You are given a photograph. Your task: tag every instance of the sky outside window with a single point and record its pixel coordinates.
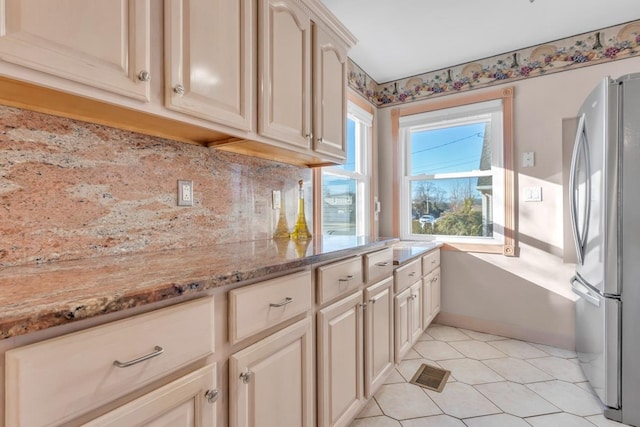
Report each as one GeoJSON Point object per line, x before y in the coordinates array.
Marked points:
{"type": "Point", "coordinates": [448, 150]}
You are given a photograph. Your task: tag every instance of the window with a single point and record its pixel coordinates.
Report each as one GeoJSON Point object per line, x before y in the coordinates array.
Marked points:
{"type": "Point", "coordinates": [456, 177]}
{"type": "Point", "coordinates": [345, 193]}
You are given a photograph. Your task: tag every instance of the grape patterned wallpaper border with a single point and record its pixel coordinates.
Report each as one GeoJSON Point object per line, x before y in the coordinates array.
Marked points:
{"type": "Point", "coordinates": [596, 47]}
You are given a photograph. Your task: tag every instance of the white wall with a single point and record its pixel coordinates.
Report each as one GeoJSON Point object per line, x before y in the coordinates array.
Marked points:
{"type": "Point", "coordinates": [527, 297]}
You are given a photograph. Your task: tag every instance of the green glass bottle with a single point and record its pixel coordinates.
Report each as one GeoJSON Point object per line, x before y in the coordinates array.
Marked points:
{"type": "Point", "coordinates": [300, 230]}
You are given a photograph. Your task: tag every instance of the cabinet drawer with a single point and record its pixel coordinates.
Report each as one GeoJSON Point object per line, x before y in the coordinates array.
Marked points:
{"type": "Point", "coordinates": [407, 275]}
{"type": "Point", "coordinates": [431, 261]}
{"type": "Point", "coordinates": [339, 278]}
{"type": "Point", "coordinates": [257, 307]}
{"type": "Point", "coordinates": [57, 380]}
{"type": "Point", "coordinates": [378, 265]}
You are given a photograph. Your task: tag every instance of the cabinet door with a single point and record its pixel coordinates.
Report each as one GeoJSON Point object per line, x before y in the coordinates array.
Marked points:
{"type": "Point", "coordinates": [426, 300]}
{"type": "Point", "coordinates": [330, 94]}
{"type": "Point", "coordinates": [378, 335]}
{"type": "Point", "coordinates": [435, 293]}
{"type": "Point", "coordinates": [340, 361]}
{"type": "Point", "coordinates": [415, 311]}
{"type": "Point", "coordinates": [285, 72]}
{"type": "Point", "coordinates": [208, 58]}
{"type": "Point", "coordinates": [271, 382]}
{"type": "Point", "coordinates": [189, 401]}
{"type": "Point", "coordinates": [402, 324]}
{"type": "Point", "coordinates": [103, 44]}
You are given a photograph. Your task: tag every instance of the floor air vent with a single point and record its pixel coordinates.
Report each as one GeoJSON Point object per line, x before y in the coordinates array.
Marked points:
{"type": "Point", "coordinates": [431, 377]}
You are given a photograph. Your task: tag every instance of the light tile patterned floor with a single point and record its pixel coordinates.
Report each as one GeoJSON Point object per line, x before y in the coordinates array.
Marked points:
{"type": "Point", "coordinates": [494, 382]}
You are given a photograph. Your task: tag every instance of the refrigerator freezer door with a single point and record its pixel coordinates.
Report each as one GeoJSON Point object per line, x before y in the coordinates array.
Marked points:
{"type": "Point", "coordinates": [598, 341]}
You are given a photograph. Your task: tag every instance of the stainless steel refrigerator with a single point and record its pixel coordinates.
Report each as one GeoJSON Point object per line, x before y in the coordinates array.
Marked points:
{"type": "Point", "coordinates": [605, 214]}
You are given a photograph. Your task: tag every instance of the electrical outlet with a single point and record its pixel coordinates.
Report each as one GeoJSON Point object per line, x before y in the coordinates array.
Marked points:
{"type": "Point", "coordinates": [528, 159]}
{"type": "Point", "coordinates": [185, 193]}
{"type": "Point", "coordinates": [275, 199]}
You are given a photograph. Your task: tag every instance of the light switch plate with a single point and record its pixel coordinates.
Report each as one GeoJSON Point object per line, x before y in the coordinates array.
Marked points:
{"type": "Point", "coordinates": [533, 194]}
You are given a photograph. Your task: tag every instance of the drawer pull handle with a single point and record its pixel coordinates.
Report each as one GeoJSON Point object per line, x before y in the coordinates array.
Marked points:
{"type": "Point", "coordinates": [157, 351]}
{"type": "Point", "coordinates": [413, 273]}
{"type": "Point", "coordinates": [287, 300]}
{"type": "Point", "coordinates": [346, 279]}
{"type": "Point", "coordinates": [382, 264]}
{"type": "Point", "coordinates": [212, 395]}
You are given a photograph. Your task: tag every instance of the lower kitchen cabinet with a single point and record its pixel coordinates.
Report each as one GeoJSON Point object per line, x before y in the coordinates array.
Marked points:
{"type": "Point", "coordinates": [378, 335]}
{"type": "Point", "coordinates": [430, 297]}
{"type": "Point", "coordinates": [189, 401]}
{"type": "Point", "coordinates": [271, 382]}
{"type": "Point", "coordinates": [340, 361]}
{"type": "Point", "coordinates": [67, 379]}
{"type": "Point", "coordinates": [435, 293]}
{"type": "Point", "coordinates": [408, 319]}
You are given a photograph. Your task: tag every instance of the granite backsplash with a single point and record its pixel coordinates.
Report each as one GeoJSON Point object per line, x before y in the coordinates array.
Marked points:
{"type": "Point", "coordinates": [71, 190]}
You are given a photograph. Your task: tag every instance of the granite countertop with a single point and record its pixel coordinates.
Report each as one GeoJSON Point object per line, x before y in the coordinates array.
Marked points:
{"type": "Point", "coordinates": [406, 251]}
{"type": "Point", "coordinates": [35, 297]}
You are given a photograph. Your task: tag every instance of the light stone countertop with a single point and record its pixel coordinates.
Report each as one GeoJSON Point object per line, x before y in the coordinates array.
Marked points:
{"type": "Point", "coordinates": [36, 297]}
{"type": "Point", "coordinates": [406, 251]}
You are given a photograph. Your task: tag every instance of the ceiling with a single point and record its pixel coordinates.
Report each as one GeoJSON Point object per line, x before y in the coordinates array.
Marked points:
{"type": "Point", "coordinates": [401, 38]}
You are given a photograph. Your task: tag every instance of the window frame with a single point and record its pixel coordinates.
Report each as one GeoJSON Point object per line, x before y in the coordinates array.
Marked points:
{"type": "Point", "coordinates": [508, 244]}
{"type": "Point", "coordinates": [364, 175]}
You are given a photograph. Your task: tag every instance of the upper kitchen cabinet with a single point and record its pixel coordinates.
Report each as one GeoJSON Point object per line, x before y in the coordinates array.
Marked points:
{"type": "Point", "coordinates": [209, 60]}
{"type": "Point", "coordinates": [285, 72]}
{"type": "Point", "coordinates": [330, 96]}
{"type": "Point", "coordinates": [102, 44]}
{"type": "Point", "coordinates": [303, 77]}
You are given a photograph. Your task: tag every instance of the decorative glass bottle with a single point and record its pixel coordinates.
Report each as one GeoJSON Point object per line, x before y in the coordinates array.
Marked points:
{"type": "Point", "coordinates": [300, 230]}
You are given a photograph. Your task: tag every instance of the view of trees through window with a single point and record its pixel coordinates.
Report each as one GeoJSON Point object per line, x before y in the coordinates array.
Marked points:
{"type": "Point", "coordinates": [450, 180]}
{"type": "Point", "coordinates": [345, 188]}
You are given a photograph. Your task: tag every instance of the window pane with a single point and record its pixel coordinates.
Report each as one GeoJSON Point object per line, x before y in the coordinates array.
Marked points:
{"type": "Point", "coordinates": [350, 163]}
{"type": "Point", "coordinates": [451, 149]}
{"type": "Point", "coordinates": [339, 201]}
{"type": "Point", "coordinates": [460, 207]}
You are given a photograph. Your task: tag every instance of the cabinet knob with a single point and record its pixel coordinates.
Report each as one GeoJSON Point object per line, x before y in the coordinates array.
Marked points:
{"type": "Point", "coordinates": [212, 395]}
{"type": "Point", "coordinates": [179, 89]}
{"type": "Point", "coordinates": [363, 305]}
{"type": "Point", "coordinates": [309, 136]}
{"type": "Point", "coordinates": [144, 76]}
{"type": "Point", "coordinates": [246, 376]}
{"type": "Point", "coordinates": [320, 140]}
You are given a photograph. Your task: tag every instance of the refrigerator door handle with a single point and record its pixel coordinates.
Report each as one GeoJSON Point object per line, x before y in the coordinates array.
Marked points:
{"type": "Point", "coordinates": [580, 290]}
{"type": "Point", "coordinates": [580, 146]}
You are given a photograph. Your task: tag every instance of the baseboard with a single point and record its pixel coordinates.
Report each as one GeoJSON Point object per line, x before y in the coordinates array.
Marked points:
{"type": "Point", "coordinates": [507, 330]}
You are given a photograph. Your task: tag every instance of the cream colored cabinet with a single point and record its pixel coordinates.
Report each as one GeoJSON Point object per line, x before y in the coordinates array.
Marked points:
{"type": "Point", "coordinates": [190, 401]}
{"type": "Point", "coordinates": [431, 296]}
{"type": "Point", "coordinates": [209, 60]}
{"type": "Point", "coordinates": [285, 72]}
{"type": "Point", "coordinates": [378, 335]}
{"type": "Point", "coordinates": [340, 361]}
{"type": "Point", "coordinates": [271, 382]}
{"type": "Point", "coordinates": [303, 79]}
{"type": "Point", "coordinates": [330, 95]}
{"type": "Point", "coordinates": [435, 293]}
{"type": "Point", "coordinates": [408, 319]}
{"type": "Point", "coordinates": [430, 287]}
{"type": "Point", "coordinates": [102, 44]}
{"type": "Point", "coordinates": [107, 362]}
